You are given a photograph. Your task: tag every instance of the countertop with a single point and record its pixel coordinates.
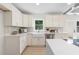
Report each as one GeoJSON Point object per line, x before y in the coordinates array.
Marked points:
{"type": "Point", "coordinates": [61, 47]}
{"type": "Point", "coordinates": [15, 34]}
{"type": "Point", "coordinates": [46, 33]}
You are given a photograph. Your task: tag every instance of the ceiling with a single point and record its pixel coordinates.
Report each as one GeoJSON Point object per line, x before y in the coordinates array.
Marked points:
{"type": "Point", "coordinates": [42, 8]}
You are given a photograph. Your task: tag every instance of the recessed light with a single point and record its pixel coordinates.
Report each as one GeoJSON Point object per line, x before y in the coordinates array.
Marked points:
{"type": "Point", "coordinates": [69, 3]}
{"type": "Point", "coordinates": [37, 4]}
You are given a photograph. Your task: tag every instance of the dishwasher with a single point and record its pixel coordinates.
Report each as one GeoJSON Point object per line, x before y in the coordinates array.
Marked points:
{"type": "Point", "coordinates": [49, 36]}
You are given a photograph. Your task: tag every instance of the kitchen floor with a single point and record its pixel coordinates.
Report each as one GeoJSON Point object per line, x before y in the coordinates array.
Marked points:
{"type": "Point", "coordinates": [35, 51]}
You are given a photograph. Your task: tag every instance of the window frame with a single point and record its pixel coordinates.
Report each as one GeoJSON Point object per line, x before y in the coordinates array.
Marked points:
{"type": "Point", "coordinates": [43, 24]}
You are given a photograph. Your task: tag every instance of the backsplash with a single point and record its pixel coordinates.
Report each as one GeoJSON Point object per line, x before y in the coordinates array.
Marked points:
{"type": "Point", "coordinates": [30, 29]}
{"type": "Point", "coordinates": [9, 30]}
{"type": "Point", "coordinates": [54, 29]}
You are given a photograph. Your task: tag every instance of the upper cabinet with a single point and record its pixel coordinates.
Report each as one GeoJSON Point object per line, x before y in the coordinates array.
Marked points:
{"type": "Point", "coordinates": [30, 21]}
{"type": "Point", "coordinates": [48, 21]}
{"type": "Point", "coordinates": [25, 20]}
{"type": "Point", "coordinates": [13, 17]}
{"type": "Point", "coordinates": [70, 24]}
{"type": "Point", "coordinates": [54, 21]}
{"type": "Point", "coordinates": [58, 20]}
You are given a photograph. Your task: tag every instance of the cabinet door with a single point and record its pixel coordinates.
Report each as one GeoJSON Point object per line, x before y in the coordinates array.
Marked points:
{"type": "Point", "coordinates": [23, 42]}
{"type": "Point", "coordinates": [48, 21]}
{"type": "Point", "coordinates": [58, 20]}
{"type": "Point", "coordinates": [29, 43]}
{"type": "Point", "coordinates": [70, 26]}
{"type": "Point", "coordinates": [14, 18]}
{"type": "Point", "coordinates": [35, 41]}
{"type": "Point", "coordinates": [25, 20]}
{"type": "Point", "coordinates": [29, 37]}
{"type": "Point", "coordinates": [38, 41]}
{"type": "Point", "coordinates": [20, 19]}
{"type": "Point", "coordinates": [8, 18]}
{"type": "Point", "coordinates": [21, 45]}
{"type": "Point", "coordinates": [30, 20]}
{"type": "Point", "coordinates": [12, 45]}
{"type": "Point", "coordinates": [41, 41]}
{"type": "Point", "coordinates": [61, 20]}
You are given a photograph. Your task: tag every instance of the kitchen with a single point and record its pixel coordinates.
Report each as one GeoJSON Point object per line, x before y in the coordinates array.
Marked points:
{"type": "Point", "coordinates": [35, 31]}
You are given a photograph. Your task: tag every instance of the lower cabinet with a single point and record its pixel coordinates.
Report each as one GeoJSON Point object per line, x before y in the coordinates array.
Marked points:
{"type": "Point", "coordinates": [15, 44]}
{"type": "Point", "coordinates": [23, 42]}
{"type": "Point", "coordinates": [11, 45]}
{"type": "Point", "coordinates": [35, 41]}
{"type": "Point", "coordinates": [38, 41]}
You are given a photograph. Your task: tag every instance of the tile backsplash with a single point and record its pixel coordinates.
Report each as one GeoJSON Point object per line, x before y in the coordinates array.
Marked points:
{"type": "Point", "coordinates": [9, 30]}
{"type": "Point", "coordinates": [56, 29]}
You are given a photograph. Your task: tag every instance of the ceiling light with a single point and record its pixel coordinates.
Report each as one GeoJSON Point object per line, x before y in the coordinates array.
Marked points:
{"type": "Point", "coordinates": [37, 4]}
{"type": "Point", "coordinates": [69, 3]}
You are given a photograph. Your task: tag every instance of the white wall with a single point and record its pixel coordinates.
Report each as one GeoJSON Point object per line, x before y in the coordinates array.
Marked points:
{"type": "Point", "coordinates": [1, 32]}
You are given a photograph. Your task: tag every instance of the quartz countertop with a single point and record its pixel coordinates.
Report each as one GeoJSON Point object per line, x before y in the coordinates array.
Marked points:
{"type": "Point", "coordinates": [61, 47]}
{"type": "Point", "coordinates": [15, 34]}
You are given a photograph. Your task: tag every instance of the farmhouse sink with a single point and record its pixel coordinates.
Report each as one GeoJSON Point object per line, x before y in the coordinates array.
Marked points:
{"type": "Point", "coordinates": [38, 34]}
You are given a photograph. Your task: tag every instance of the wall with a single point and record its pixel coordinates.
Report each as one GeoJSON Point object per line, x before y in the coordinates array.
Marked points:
{"type": "Point", "coordinates": [1, 32]}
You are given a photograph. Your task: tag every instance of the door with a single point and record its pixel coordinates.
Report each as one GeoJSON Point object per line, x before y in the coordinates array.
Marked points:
{"type": "Point", "coordinates": [1, 32]}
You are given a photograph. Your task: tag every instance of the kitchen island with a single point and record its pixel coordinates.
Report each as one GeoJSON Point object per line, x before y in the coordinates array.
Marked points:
{"type": "Point", "coordinates": [61, 47]}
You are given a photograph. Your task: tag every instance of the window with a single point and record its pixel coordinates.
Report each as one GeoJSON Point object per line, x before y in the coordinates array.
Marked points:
{"type": "Point", "coordinates": [77, 23]}
{"type": "Point", "coordinates": [38, 24]}
{"type": "Point", "coordinates": [77, 26]}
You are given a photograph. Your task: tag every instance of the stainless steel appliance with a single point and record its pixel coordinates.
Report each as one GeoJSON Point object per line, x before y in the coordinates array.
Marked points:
{"type": "Point", "coordinates": [49, 36]}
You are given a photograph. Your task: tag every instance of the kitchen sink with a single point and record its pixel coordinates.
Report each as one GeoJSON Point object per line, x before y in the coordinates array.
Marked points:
{"type": "Point", "coordinates": [38, 34]}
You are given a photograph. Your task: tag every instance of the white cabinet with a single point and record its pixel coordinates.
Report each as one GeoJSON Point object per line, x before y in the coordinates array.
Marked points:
{"type": "Point", "coordinates": [30, 20]}
{"type": "Point", "coordinates": [48, 21]}
{"type": "Point", "coordinates": [54, 21]}
{"type": "Point", "coordinates": [8, 19]}
{"type": "Point", "coordinates": [11, 45]}
{"type": "Point", "coordinates": [36, 41]}
{"type": "Point", "coordinates": [16, 17]}
{"type": "Point", "coordinates": [25, 20]}
{"type": "Point", "coordinates": [29, 37]}
{"type": "Point", "coordinates": [15, 44]}
{"type": "Point", "coordinates": [58, 20]}
{"type": "Point", "coordinates": [23, 42]}
{"type": "Point", "coordinates": [20, 23]}
{"type": "Point", "coordinates": [13, 18]}
{"type": "Point", "coordinates": [70, 24]}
